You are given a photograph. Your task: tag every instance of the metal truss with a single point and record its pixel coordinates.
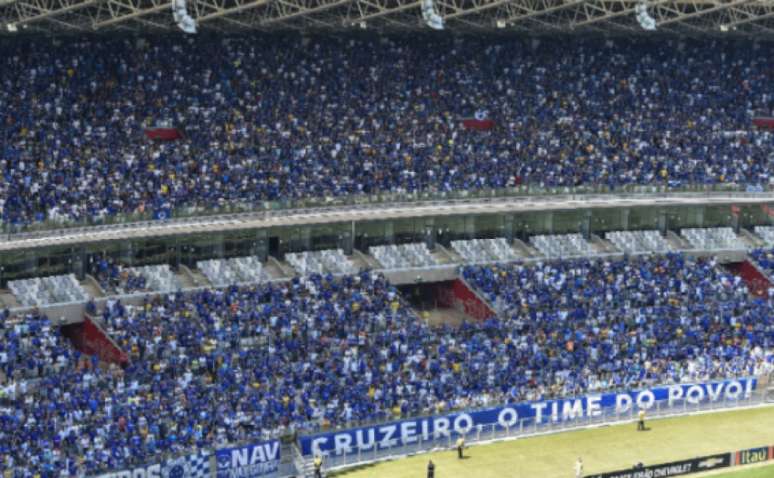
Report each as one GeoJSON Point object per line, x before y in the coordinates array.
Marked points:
{"type": "Point", "coordinates": [685, 17]}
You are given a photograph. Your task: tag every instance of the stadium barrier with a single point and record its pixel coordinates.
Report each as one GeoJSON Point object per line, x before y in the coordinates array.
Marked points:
{"type": "Point", "coordinates": [257, 460]}
{"type": "Point", "coordinates": [353, 447]}
{"type": "Point", "coordinates": [675, 468]}
{"type": "Point", "coordinates": [345, 448]}
{"type": "Point", "coordinates": [751, 456]}
{"type": "Point", "coordinates": [694, 465]}
{"type": "Point", "coordinates": [292, 205]}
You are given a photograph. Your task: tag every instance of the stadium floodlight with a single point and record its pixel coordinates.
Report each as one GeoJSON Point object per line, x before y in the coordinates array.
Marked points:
{"type": "Point", "coordinates": [180, 13]}
{"type": "Point", "coordinates": [646, 21]}
{"type": "Point", "coordinates": [431, 16]}
{"type": "Point", "coordinates": [11, 27]}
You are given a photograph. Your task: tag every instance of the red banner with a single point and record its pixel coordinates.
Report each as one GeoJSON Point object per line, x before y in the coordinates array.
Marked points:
{"type": "Point", "coordinates": [163, 134]}
{"type": "Point", "coordinates": [763, 122]}
{"type": "Point", "coordinates": [457, 295]}
{"type": "Point", "coordinates": [478, 124]}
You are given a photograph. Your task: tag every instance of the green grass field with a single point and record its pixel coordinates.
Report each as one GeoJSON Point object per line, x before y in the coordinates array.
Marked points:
{"type": "Point", "coordinates": [602, 449]}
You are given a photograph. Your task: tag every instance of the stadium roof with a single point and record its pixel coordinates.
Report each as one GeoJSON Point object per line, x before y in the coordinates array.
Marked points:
{"type": "Point", "coordinates": [691, 17]}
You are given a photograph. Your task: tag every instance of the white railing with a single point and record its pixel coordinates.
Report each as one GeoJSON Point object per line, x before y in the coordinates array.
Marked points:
{"type": "Point", "coordinates": [366, 212]}
{"type": "Point", "coordinates": [483, 434]}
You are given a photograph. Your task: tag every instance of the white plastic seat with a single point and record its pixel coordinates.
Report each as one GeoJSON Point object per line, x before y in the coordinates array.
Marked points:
{"type": "Point", "coordinates": [718, 238]}
{"type": "Point", "coordinates": [562, 245]}
{"type": "Point", "coordinates": [766, 233]}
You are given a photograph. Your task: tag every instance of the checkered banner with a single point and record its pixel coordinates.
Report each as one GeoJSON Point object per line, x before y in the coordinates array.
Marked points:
{"type": "Point", "coordinates": [196, 465]}
{"type": "Point", "coordinates": [190, 466]}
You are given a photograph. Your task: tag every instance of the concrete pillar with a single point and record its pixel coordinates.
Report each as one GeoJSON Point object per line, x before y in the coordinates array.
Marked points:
{"type": "Point", "coordinates": [470, 227]}
{"type": "Point", "coordinates": [699, 216]}
{"type": "Point", "coordinates": [306, 238]}
{"type": "Point", "coordinates": [127, 253]}
{"type": "Point", "coordinates": [736, 222]}
{"type": "Point", "coordinates": [585, 225]}
{"type": "Point", "coordinates": [345, 238]}
{"type": "Point", "coordinates": [430, 233]}
{"type": "Point", "coordinates": [219, 246]}
{"type": "Point", "coordinates": [389, 232]}
{"type": "Point", "coordinates": [177, 253]}
{"type": "Point", "coordinates": [30, 263]}
{"type": "Point", "coordinates": [663, 222]}
{"type": "Point", "coordinates": [548, 224]}
{"type": "Point", "coordinates": [261, 248]}
{"type": "Point", "coordinates": [508, 221]}
{"type": "Point", "coordinates": [78, 266]}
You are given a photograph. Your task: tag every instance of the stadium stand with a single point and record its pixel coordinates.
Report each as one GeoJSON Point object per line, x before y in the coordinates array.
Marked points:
{"type": "Point", "coordinates": [403, 256]}
{"type": "Point", "coordinates": [204, 367]}
{"type": "Point", "coordinates": [638, 241]}
{"type": "Point", "coordinates": [238, 270]}
{"type": "Point", "coordinates": [565, 245]}
{"type": "Point", "coordinates": [719, 238]}
{"type": "Point", "coordinates": [31, 349]}
{"type": "Point", "coordinates": [352, 116]}
{"type": "Point", "coordinates": [321, 262]}
{"type": "Point", "coordinates": [485, 250]}
{"type": "Point", "coordinates": [691, 320]}
{"type": "Point", "coordinates": [48, 290]}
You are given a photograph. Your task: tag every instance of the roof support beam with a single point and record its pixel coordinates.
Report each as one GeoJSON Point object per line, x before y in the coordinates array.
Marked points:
{"type": "Point", "coordinates": [737, 17]}
{"type": "Point", "coordinates": [384, 10]}
{"type": "Point", "coordinates": [628, 9]}
{"type": "Point", "coordinates": [240, 7]}
{"type": "Point", "coordinates": [135, 12]}
{"type": "Point", "coordinates": [301, 10]}
{"type": "Point", "coordinates": [48, 9]}
{"type": "Point", "coordinates": [698, 13]}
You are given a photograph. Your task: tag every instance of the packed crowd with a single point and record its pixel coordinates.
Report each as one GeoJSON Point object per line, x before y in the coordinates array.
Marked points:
{"type": "Point", "coordinates": [268, 118]}
{"type": "Point", "coordinates": [597, 324]}
{"type": "Point", "coordinates": [223, 366]}
{"type": "Point", "coordinates": [30, 348]}
{"type": "Point", "coordinates": [39, 401]}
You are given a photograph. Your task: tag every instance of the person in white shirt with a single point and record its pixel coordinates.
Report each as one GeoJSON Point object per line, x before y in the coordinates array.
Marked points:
{"type": "Point", "coordinates": [579, 468]}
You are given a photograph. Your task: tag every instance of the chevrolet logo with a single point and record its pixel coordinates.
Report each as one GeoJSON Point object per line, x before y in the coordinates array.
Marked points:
{"type": "Point", "coordinates": [710, 462]}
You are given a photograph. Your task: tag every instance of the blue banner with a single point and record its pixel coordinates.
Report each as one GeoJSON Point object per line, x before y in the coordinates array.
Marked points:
{"type": "Point", "coordinates": [406, 432]}
{"type": "Point", "coordinates": [248, 461]}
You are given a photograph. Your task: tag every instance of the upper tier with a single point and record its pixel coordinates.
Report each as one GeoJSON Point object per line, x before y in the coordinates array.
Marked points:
{"type": "Point", "coordinates": [279, 118]}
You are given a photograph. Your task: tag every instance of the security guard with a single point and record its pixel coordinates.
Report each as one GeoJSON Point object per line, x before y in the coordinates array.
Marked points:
{"type": "Point", "coordinates": [641, 422]}
{"type": "Point", "coordinates": [460, 446]}
{"type": "Point", "coordinates": [318, 466]}
{"type": "Point", "coordinates": [430, 470]}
